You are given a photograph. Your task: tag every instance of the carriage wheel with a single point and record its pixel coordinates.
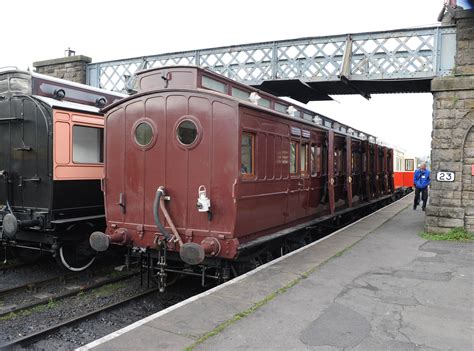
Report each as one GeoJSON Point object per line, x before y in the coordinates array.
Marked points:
{"type": "Point", "coordinates": [74, 258]}
{"type": "Point", "coordinates": [77, 255]}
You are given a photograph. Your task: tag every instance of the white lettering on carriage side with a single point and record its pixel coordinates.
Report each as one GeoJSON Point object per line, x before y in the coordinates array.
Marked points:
{"type": "Point", "coordinates": [445, 176]}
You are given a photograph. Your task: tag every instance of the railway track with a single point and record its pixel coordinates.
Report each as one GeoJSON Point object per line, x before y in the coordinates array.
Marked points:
{"type": "Point", "coordinates": [56, 297]}
{"type": "Point", "coordinates": [7, 266]}
{"type": "Point", "coordinates": [34, 285]}
{"type": "Point", "coordinates": [28, 339]}
{"type": "Point", "coordinates": [37, 284]}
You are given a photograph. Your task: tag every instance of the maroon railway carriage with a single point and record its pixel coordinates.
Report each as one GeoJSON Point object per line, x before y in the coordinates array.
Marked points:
{"type": "Point", "coordinates": [210, 166]}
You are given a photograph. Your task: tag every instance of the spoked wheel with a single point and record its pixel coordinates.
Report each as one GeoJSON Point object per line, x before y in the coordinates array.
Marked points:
{"type": "Point", "coordinates": [77, 255]}
{"type": "Point", "coordinates": [74, 258]}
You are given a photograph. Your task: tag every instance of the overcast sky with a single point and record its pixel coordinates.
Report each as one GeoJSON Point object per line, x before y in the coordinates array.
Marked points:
{"type": "Point", "coordinates": [108, 30]}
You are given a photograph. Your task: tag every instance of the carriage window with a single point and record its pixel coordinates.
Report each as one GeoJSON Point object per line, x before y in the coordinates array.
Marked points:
{"type": "Point", "coordinates": [87, 144]}
{"type": "Point", "coordinates": [247, 154]}
{"type": "Point", "coordinates": [143, 134]}
{"type": "Point", "coordinates": [318, 159]}
{"type": "Point", "coordinates": [399, 164]}
{"type": "Point", "coordinates": [307, 116]}
{"type": "Point", "coordinates": [240, 94]}
{"type": "Point", "coordinates": [380, 164]}
{"type": "Point", "coordinates": [324, 162]}
{"type": "Point", "coordinates": [187, 132]}
{"type": "Point", "coordinates": [356, 162]}
{"type": "Point", "coordinates": [409, 165]}
{"type": "Point", "coordinates": [342, 163]}
{"type": "Point", "coordinates": [3, 85]}
{"type": "Point", "coordinates": [280, 107]}
{"type": "Point", "coordinates": [373, 161]}
{"type": "Point", "coordinates": [213, 84]}
{"type": "Point", "coordinates": [264, 102]}
{"type": "Point", "coordinates": [294, 157]}
{"type": "Point", "coordinates": [338, 162]}
{"type": "Point", "coordinates": [304, 158]}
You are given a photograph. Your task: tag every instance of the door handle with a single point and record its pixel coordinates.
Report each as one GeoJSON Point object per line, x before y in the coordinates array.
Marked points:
{"type": "Point", "coordinates": [121, 203]}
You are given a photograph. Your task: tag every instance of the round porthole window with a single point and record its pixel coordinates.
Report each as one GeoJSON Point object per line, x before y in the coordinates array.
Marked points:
{"type": "Point", "coordinates": [143, 133]}
{"type": "Point", "coordinates": [187, 132]}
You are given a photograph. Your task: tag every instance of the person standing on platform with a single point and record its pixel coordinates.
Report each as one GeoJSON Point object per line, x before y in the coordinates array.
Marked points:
{"type": "Point", "coordinates": [421, 181]}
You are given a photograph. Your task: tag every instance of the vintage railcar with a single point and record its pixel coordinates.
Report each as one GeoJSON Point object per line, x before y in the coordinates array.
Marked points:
{"type": "Point", "coordinates": [404, 169]}
{"type": "Point", "coordinates": [206, 170]}
{"type": "Point", "coordinates": [51, 164]}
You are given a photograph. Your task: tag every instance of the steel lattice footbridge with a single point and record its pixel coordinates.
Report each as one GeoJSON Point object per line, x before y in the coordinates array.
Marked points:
{"type": "Point", "coordinates": [313, 68]}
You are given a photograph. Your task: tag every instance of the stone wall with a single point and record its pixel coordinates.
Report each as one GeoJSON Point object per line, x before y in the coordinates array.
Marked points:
{"type": "Point", "coordinates": [72, 68]}
{"type": "Point", "coordinates": [452, 204]}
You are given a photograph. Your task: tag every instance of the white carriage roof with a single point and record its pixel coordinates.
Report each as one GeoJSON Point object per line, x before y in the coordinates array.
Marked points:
{"type": "Point", "coordinates": [67, 104]}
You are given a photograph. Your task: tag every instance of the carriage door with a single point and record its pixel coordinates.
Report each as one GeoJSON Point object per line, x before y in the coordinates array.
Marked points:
{"type": "Point", "coordinates": [305, 170]}
{"type": "Point", "coordinates": [296, 180]}
{"type": "Point", "coordinates": [115, 146]}
{"type": "Point", "coordinates": [331, 180]}
{"type": "Point", "coordinates": [376, 170]}
{"type": "Point", "coordinates": [349, 170]}
{"type": "Point", "coordinates": [385, 171]}
{"type": "Point", "coordinates": [366, 167]}
{"type": "Point", "coordinates": [26, 158]}
{"type": "Point", "coordinates": [391, 175]}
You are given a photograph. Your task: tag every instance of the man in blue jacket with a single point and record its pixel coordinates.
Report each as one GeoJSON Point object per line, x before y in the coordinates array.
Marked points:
{"type": "Point", "coordinates": [421, 181]}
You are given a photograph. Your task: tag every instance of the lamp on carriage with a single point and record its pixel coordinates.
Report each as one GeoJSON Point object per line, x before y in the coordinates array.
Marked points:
{"type": "Point", "coordinates": [254, 97]}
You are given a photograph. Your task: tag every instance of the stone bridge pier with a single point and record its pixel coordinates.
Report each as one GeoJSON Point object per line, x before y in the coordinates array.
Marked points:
{"type": "Point", "coordinates": [451, 204]}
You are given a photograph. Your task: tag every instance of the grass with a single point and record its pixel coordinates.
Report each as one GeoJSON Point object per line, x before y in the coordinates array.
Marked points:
{"type": "Point", "coordinates": [455, 234]}
{"type": "Point", "coordinates": [259, 304]}
{"type": "Point", "coordinates": [340, 253]}
{"type": "Point", "coordinates": [37, 309]}
{"type": "Point", "coordinates": [246, 313]}
{"type": "Point", "coordinates": [108, 289]}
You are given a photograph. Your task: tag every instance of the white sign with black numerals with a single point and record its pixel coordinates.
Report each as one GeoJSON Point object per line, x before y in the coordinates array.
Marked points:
{"type": "Point", "coordinates": [445, 176]}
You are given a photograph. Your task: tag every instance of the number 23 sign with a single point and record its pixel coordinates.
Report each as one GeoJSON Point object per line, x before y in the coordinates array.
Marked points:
{"type": "Point", "coordinates": [445, 176]}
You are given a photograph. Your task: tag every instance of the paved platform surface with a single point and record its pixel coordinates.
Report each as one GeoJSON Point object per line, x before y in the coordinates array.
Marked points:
{"type": "Point", "coordinates": [375, 285]}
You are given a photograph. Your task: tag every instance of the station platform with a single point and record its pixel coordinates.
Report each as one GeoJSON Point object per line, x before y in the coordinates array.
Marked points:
{"type": "Point", "coordinates": [374, 285]}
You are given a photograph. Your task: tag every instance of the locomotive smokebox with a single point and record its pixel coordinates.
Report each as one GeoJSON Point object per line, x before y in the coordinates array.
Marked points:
{"type": "Point", "coordinates": [10, 225]}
